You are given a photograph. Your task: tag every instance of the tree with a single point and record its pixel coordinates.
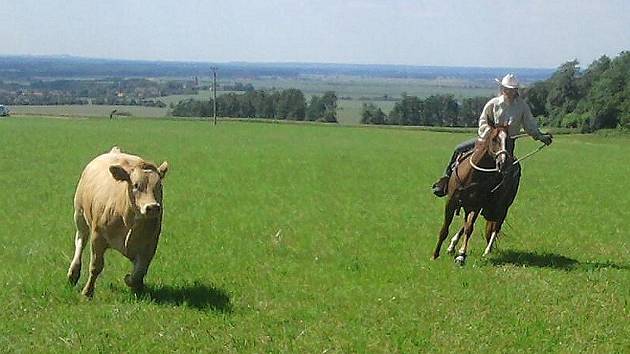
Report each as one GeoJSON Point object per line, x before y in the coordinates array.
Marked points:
{"type": "Point", "coordinates": [291, 105]}
{"type": "Point", "coordinates": [407, 111]}
{"type": "Point", "coordinates": [536, 97]}
{"type": "Point", "coordinates": [608, 99]}
{"type": "Point", "coordinates": [470, 110]}
{"type": "Point", "coordinates": [329, 101]}
{"type": "Point", "coordinates": [563, 91]}
{"type": "Point", "coordinates": [315, 109]}
{"type": "Point", "coordinates": [370, 114]}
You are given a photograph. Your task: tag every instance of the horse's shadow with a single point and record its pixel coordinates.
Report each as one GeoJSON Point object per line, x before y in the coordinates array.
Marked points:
{"type": "Point", "coordinates": [548, 260]}
{"type": "Point", "coordinates": [197, 296]}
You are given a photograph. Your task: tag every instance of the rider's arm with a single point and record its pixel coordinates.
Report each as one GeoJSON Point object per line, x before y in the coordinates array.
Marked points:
{"type": "Point", "coordinates": [486, 115]}
{"type": "Point", "coordinates": [530, 124]}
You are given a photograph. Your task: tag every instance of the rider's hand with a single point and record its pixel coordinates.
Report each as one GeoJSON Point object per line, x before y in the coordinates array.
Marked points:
{"type": "Point", "coordinates": [546, 138]}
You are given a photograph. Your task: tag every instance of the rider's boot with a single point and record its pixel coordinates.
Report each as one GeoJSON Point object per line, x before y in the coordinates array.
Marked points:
{"type": "Point", "coordinates": [440, 188]}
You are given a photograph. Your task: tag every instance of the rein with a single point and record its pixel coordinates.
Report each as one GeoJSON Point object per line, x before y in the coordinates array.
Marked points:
{"type": "Point", "coordinates": [526, 156]}
{"type": "Point", "coordinates": [481, 169]}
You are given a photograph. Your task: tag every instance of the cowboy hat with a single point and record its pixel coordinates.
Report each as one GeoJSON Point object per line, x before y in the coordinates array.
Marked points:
{"type": "Point", "coordinates": [508, 81]}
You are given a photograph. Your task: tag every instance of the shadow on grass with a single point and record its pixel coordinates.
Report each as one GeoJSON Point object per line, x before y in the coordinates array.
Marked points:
{"type": "Point", "coordinates": [197, 296]}
{"type": "Point", "coordinates": [549, 260]}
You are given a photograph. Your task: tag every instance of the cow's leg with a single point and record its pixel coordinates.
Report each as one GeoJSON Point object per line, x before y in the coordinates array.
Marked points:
{"type": "Point", "coordinates": [468, 230]}
{"type": "Point", "coordinates": [449, 211]}
{"type": "Point", "coordinates": [97, 262]}
{"type": "Point", "coordinates": [141, 263]}
{"type": "Point", "coordinates": [454, 241]}
{"type": "Point", "coordinates": [80, 240]}
{"type": "Point", "coordinates": [135, 280]}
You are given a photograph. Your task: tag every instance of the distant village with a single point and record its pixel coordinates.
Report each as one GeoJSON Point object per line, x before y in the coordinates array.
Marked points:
{"type": "Point", "coordinates": [107, 91]}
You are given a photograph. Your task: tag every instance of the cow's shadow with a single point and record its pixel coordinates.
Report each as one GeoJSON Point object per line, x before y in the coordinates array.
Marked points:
{"type": "Point", "coordinates": [548, 260]}
{"type": "Point", "coordinates": [197, 296]}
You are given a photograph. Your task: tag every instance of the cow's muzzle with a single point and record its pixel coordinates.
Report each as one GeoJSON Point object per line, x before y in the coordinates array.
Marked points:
{"type": "Point", "coordinates": [151, 209]}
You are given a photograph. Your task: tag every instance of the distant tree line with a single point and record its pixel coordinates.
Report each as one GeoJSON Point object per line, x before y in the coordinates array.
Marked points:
{"type": "Point", "coordinates": [238, 86]}
{"type": "Point", "coordinates": [436, 110]}
{"type": "Point", "coordinates": [289, 104]}
{"type": "Point", "coordinates": [596, 98]}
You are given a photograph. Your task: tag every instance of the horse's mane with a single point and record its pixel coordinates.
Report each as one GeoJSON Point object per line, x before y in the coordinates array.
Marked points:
{"type": "Point", "coordinates": [483, 145]}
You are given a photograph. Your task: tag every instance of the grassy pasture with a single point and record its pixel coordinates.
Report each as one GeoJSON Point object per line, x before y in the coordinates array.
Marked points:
{"type": "Point", "coordinates": [313, 239]}
{"type": "Point", "coordinates": [88, 110]}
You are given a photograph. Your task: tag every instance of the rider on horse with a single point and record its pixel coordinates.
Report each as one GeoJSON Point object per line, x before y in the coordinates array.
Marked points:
{"type": "Point", "coordinates": [506, 109]}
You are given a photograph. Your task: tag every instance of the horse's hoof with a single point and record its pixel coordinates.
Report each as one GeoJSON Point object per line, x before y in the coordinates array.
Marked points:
{"type": "Point", "coordinates": [88, 292]}
{"type": "Point", "coordinates": [135, 285]}
{"type": "Point", "coordinates": [460, 260]}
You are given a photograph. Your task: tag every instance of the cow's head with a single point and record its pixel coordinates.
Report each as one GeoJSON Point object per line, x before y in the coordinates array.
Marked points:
{"type": "Point", "coordinates": [144, 184]}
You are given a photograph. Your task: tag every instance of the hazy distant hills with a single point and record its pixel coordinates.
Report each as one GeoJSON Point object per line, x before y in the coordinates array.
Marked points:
{"type": "Point", "coordinates": [34, 67]}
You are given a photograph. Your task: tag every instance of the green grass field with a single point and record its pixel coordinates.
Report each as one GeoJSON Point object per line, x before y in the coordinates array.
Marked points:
{"type": "Point", "coordinates": [348, 111]}
{"type": "Point", "coordinates": [88, 110]}
{"type": "Point", "coordinates": [313, 238]}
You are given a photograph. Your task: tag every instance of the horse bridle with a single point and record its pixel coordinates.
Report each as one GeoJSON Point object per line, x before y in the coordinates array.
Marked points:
{"type": "Point", "coordinates": [495, 155]}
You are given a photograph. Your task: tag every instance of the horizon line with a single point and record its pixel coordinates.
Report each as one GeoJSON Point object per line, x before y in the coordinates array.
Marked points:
{"type": "Point", "coordinates": [180, 61]}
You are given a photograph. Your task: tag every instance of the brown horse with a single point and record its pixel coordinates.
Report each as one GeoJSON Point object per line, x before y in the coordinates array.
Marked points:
{"type": "Point", "coordinates": [484, 182]}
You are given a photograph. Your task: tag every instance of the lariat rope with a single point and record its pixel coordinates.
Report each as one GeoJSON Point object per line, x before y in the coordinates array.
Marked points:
{"type": "Point", "coordinates": [530, 154]}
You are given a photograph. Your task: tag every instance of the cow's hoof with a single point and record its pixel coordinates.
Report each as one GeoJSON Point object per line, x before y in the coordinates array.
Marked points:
{"type": "Point", "coordinates": [450, 251]}
{"type": "Point", "coordinates": [73, 276]}
{"type": "Point", "coordinates": [460, 260]}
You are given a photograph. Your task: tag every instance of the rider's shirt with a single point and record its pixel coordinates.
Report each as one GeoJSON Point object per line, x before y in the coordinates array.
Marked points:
{"type": "Point", "coordinates": [516, 115]}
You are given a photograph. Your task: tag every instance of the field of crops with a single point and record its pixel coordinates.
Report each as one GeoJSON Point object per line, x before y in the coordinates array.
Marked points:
{"type": "Point", "coordinates": [314, 238]}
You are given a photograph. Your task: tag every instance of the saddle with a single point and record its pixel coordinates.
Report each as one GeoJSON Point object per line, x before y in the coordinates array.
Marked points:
{"type": "Point", "coordinates": [461, 158]}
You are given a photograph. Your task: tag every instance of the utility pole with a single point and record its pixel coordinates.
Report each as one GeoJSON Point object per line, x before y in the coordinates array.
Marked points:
{"type": "Point", "coordinates": [214, 92]}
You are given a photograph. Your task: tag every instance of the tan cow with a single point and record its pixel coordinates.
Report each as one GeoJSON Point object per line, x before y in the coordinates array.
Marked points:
{"type": "Point", "coordinates": [119, 203]}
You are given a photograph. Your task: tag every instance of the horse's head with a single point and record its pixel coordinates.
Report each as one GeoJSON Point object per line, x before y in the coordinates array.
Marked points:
{"type": "Point", "coordinates": [497, 141]}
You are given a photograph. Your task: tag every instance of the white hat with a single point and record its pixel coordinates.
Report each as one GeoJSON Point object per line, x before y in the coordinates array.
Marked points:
{"type": "Point", "coordinates": [508, 81]}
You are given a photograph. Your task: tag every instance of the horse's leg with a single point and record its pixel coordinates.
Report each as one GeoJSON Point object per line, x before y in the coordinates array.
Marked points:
{"type": "Point", "coordinates": [449, 211]}
{"type": "Point", "coordinates": [471, 217]}
{"type": "Point", "coordinates": [454, 241]}
{"type": "Point", "coordinates": [492, 234]}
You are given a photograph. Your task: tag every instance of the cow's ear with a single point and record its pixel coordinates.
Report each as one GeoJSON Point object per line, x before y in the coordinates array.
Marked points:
{"type": "Point", "coordinates": [163, 169]}
{"type": "Point", "coordinates": [119, 173]}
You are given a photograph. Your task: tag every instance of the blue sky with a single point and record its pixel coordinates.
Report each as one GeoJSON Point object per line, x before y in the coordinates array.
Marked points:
{"type": "Point", "coordinates": [537, 33]}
